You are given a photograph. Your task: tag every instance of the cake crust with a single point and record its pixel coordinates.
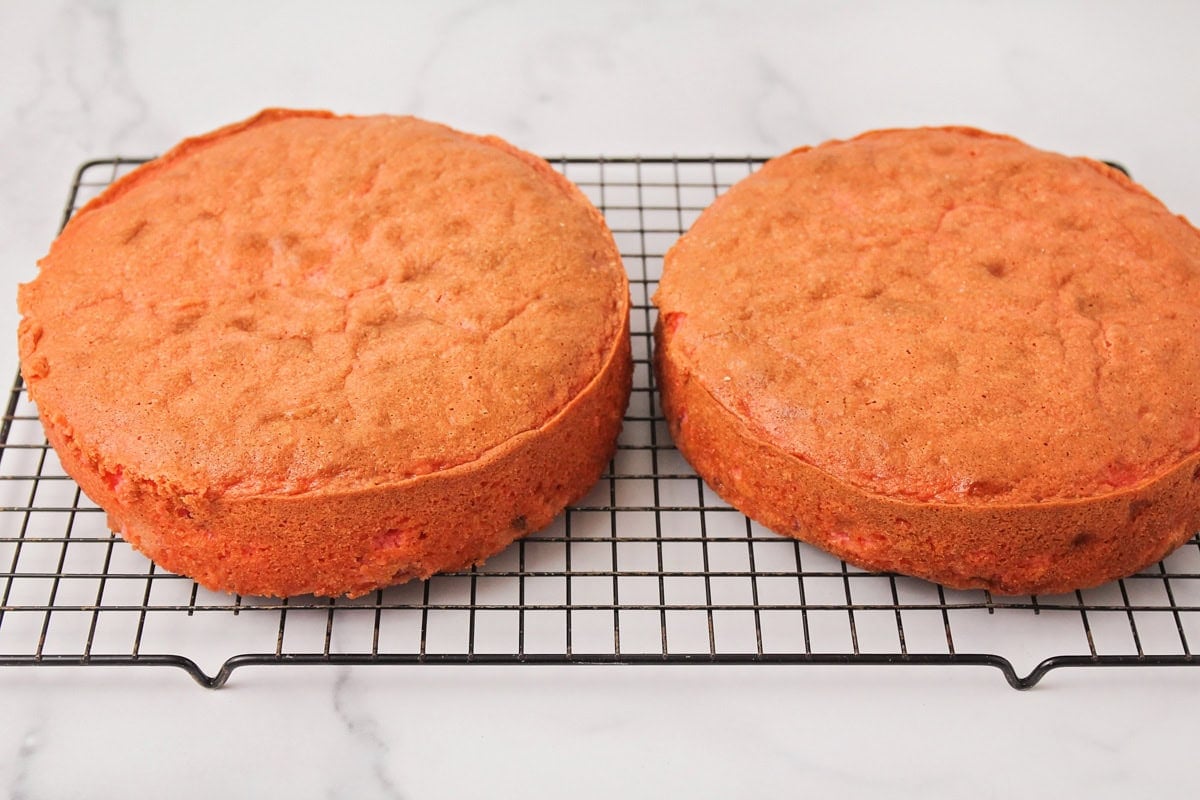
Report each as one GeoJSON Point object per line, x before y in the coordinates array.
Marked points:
{"type": "Point", "coordinates": [308, 353]}
{"type": "Point", "coordinates": [945, 353]}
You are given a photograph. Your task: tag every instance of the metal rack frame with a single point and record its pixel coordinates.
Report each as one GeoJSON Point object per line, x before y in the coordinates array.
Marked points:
{"type": "Point", "coordinates": [651, 568]}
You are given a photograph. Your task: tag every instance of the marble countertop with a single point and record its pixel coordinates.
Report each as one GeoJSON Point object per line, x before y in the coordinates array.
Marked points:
{"type": "Point", "coordinates": [94, 79]}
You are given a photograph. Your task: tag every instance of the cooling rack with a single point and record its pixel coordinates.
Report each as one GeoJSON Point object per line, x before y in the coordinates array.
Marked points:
{"type": "Point", "coordinates": [650, 567]}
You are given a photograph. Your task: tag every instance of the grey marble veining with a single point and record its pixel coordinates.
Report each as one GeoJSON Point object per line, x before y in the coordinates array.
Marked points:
{"type": "Point", "coordinates": [374, 757]}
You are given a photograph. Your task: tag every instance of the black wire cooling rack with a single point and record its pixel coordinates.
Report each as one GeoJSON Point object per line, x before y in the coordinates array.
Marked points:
{"type": "Point", "coordinates": [650, 567]}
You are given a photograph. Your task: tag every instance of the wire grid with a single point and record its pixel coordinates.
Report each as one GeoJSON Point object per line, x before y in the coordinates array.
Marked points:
{"type": "Point", "coordinates": [650, 567]}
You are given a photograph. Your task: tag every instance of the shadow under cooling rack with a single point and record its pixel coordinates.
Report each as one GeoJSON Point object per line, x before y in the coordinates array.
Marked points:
{"type": "Point", "coordinates": [650, 568]}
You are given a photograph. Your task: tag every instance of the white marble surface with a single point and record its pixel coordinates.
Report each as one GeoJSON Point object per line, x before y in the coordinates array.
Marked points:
{"type": "Point", "coordinates": [91, 79]}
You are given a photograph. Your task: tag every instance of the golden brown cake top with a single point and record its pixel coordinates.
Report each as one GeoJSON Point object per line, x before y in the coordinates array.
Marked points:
{"type": "Point", "coordinates": [947, 314]}
{"type": "Point", "coordinates": [303, 301]}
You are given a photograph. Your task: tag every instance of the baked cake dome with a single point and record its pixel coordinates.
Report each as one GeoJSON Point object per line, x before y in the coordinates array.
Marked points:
{"type": "Point", "coordinates": [318, 354]}
{"type": "Point", "coordinates": [944, 353]}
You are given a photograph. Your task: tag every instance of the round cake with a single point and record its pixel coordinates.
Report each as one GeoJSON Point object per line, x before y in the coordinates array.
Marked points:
{"type": "Point", "coordinates": [319, 354]}
{"type": "Point", "coordinates": [944, 353]}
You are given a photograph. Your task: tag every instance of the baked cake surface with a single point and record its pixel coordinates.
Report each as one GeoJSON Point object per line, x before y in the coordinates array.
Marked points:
{"type": "Point", "coordinates": [308, 353]}
{"type": "Point", "coordinates": [945, 353]}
